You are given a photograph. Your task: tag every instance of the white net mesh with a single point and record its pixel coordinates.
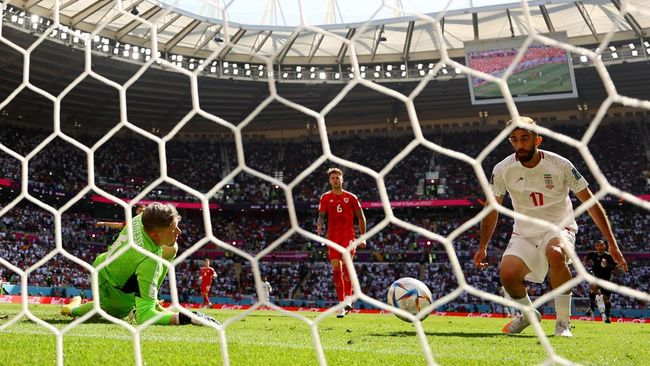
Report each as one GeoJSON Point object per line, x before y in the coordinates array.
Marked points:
{"type": "Point", "coordinates": [121, 9]}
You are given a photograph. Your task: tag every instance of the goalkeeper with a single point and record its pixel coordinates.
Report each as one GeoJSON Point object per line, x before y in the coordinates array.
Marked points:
{"type": "Point", "coordinates": [132, 279]}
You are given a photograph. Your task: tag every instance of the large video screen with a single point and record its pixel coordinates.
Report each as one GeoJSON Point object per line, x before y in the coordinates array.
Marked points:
{"type": "Point", "coordinates": [544, 72]}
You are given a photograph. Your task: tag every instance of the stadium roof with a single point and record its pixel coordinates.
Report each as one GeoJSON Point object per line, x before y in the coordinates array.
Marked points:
{"type": "Point", "coordinates": [160, 98]}
{"type": "Point", "coordinates": [381, 33]}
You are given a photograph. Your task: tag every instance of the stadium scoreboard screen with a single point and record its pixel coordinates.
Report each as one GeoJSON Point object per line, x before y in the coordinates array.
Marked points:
{"type": "Point", "coordinates": [544, 72]}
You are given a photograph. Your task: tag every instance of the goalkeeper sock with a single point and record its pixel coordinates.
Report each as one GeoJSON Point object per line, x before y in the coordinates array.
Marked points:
{"type": "Point", "coordinates": [592, 301]}
{"type": "Point", "coordinates": [82, 309]}
{"type": "Point", "coordinates": [338, 283]}
{"type": "Point", "coordinates": [347, 284]}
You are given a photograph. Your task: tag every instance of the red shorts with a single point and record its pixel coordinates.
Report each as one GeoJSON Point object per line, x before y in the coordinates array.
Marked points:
{"type": "Point", "coordinates": [334, 254]}
{"type": "Point", "coordinates": [205, 289]}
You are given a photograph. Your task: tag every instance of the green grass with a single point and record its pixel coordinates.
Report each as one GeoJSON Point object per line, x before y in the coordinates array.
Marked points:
{"type": "Point", "coordinates": [270, 338]}
{"type": "Point", "coordinates": [555, 78]}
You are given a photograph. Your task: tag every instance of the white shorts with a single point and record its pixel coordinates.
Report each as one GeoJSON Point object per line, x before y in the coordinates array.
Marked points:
{"type": "Point", "coordinates": [532, 251]}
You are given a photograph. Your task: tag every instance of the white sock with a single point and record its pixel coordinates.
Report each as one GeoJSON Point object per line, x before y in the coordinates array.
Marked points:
{"type": "Point", "coordinates": [524, 301]}
{"type": "Point", "coordinates": [563, 307]}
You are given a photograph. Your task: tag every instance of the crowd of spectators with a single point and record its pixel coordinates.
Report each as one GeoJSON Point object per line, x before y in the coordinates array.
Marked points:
{"type": "Point", "coordinates": [127, 163]}
{"type": "Point", "coordinates": [26, 236]}
{"type": "Point", "coordinates": [495, 62]}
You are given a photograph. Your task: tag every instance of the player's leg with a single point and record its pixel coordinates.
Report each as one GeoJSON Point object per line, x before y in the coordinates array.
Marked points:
{"type": "Point", "coordinates": [559, 274]}
{"type": "Point", "coordinates": [112, 300]}
{"type": "Point", "coordinates": [116, 302]}
{"type": "Point", "coordinates": [558, 271]}
{"type": "Point", "coordinates": [75, 308]}
{"type": "Point", "coordinates": [347, 285]}
{"type": "Point", "coordinates": [337, 271]}
{"type": "Point", "coordinates": [512, 272]}
{"type": "Point", "coordinates": [608, 304]}
{"type": "Point", "coordinates": [205, 292]}
{"type": "Point", "coordinates": [593, 289]}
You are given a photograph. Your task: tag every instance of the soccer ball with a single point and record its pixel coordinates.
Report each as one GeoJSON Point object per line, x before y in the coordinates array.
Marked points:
{"type": "Point", "coordinates": [409, 295]}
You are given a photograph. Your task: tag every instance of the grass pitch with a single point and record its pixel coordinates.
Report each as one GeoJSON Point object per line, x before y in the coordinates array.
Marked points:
{"type": "Point", "coordinates": [271, 338]}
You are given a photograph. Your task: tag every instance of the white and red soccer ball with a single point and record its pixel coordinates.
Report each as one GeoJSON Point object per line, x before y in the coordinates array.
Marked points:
{"type": "Point", "coordinates": [409, 295]}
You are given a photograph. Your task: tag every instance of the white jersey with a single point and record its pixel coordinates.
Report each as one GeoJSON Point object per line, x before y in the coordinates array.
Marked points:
{"type": "Point", "coordinates": [541, 192]}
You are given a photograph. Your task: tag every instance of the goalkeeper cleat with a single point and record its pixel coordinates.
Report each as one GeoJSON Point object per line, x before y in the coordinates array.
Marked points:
{"type": "Point", "coordinates": [341, 313]}
{"type": "Point", "coordinates": [563, 329]}
{"type": "Point", "coordinates": [67, 309]}
{"type": "Point", "coordinates": [519, 323]}
{"type": "Point", "coordinates": [205, 317]}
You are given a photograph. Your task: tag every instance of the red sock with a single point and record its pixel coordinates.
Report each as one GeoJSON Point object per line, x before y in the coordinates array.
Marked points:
{"type": "Point", "coordinates": [338, 283]}
{"type": "Point", "coordinates": [347, 284]}
{"type": "Point", "coordinates": [206, 299]}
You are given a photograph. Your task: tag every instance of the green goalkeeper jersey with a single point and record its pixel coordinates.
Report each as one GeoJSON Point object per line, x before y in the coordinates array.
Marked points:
{"type": "Point", "coordinates": [134, 272]}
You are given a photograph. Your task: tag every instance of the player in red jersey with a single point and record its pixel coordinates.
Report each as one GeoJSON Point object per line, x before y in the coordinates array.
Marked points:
{"type": "Point", "coordinates": [340, 207]}
{"type": "Point", "coordinates": [207, 274]}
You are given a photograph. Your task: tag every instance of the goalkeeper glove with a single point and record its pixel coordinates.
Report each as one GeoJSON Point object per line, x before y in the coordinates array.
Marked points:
{"type": "Point", "coordinates": [184, 319]}
{"type": "Point", "coordinates": [205, 317]}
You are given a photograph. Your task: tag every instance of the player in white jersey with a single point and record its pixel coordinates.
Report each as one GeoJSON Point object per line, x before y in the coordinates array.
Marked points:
{"type": "Point", "coordinates": [266, 289]}
{"type": "Point", "coordinates": [538, 183]}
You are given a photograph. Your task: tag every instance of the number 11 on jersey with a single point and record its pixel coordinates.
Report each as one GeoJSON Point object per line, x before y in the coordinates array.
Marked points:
{"type": "Point", "coordinates": [538, 198]}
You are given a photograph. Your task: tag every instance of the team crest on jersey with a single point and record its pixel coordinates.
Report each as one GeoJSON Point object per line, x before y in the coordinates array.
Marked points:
{"type": "Point", "coordinates": [346, 200]}
{"type": "Point", "coordinates": [548, 180]}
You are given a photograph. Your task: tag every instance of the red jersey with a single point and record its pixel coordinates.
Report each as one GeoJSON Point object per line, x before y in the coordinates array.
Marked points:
{"type": "Point", "coordinates": [340, 210]}
{"type": "Point", "coordinates": [207, 273]}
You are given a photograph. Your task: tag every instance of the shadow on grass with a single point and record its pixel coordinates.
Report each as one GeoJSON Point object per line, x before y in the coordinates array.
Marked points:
{"type": "Point", "coordinates": [59, 320]}
{"type": "Point", "coordinates": [450, 334]}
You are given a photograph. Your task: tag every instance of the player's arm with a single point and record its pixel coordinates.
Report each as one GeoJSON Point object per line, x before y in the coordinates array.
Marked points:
{"type": "Point", "coordinates": [322, 212]}
{"type": "Point", "coordinates": [110, 224]}
{"type": "Point", "coordinates": [612, 264]}
{"type": "Point", "coordinates": [320, 222]}
{"type": "Point", "coordinates": [488, 224]}
{"type": "Point", "coordinates": [361, 218]}
{"type": "Point", "coordinates": [145, 302]}
{"type": "Point", "coordinates": [597, 213]}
